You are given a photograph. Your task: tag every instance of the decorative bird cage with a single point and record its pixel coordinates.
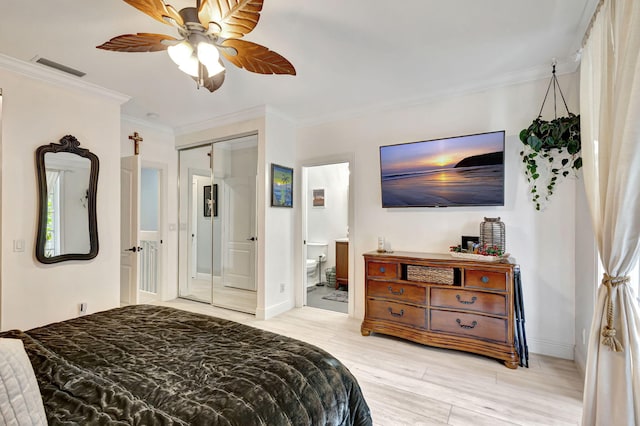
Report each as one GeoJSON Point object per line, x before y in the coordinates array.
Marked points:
{"type": "Point", "coordinates": [492, 233]}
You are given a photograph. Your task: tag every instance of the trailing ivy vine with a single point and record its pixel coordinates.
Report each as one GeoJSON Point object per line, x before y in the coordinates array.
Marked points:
{"type": "Point", "coordinates": [551, 150]}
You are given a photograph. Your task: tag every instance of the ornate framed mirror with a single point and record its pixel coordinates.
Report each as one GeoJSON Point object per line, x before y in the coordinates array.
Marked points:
{"type": "Point", "coordinates": [67, 186]}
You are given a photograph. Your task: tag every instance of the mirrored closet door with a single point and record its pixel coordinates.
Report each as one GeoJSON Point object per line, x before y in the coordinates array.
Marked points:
{"type": "Point", "coordinates": [217, 245]}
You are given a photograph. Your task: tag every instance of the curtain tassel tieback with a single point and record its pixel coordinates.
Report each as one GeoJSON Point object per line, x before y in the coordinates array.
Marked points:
{"type": "Point", "coordinates": [608, 331]}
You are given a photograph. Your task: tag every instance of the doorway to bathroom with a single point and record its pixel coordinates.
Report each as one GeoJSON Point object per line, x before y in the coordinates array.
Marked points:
{"type": "Point", "coordinates": [326, 236]}
{"type": "Point", "coordinates": [217, 211]}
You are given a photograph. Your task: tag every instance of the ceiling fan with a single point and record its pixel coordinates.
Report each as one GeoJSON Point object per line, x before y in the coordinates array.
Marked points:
{"type": "Point", "coordinates": [210, 28]}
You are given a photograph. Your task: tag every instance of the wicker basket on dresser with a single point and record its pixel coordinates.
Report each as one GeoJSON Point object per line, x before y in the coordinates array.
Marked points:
{"type": "Point", "coordinates": [438, 300]}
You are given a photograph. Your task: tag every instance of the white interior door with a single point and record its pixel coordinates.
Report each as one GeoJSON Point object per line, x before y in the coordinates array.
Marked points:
{"type": "Point", "coordinates": [238, 266]}
{"type": "Point", "coordinates": [129, 229]}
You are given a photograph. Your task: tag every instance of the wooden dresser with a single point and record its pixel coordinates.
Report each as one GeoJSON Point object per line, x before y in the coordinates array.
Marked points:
{"type": "Point", "coordinates": [439, 300]}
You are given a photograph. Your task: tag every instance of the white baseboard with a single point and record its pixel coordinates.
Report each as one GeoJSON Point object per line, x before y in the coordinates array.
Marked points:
{"type": "Point", "coordinates": [581, 362]}
{"type": "Point", "coordinates": [277, 309]}
{"type": "Point", "coordinates": [555, 349]}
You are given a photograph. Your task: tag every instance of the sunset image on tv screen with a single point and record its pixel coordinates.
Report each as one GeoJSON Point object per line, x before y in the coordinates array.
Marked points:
{"type": "Point", "coordinates": [457, 171]}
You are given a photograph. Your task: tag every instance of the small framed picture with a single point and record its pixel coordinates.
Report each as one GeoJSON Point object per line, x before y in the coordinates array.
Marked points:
{"type": "Point", "coordinates": [318, 197]}
{"type": "Point", "coordinates": [281, 186]}
{"type": "Point", "coordinates": [210, 200]}
{"type": "Point", "coordinates": [468, 242]}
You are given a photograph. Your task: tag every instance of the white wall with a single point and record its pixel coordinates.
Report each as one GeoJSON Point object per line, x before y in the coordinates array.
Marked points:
{"type": "Point", "coordinates": [543, 243]}
{"type": "Point", "coordinates": [280, 262]}
{"type": "Point", "coordinates": [36, 112]}
{"type": "Point", "coordinates": [158, 150]}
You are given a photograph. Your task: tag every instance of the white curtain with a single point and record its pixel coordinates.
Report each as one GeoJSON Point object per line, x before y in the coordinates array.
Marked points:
{"type": "Point", "coordinates": [610, 128]}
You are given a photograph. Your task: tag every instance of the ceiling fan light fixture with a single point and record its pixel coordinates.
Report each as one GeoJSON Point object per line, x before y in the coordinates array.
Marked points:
{"type": "Point", "coordinates": [207, 53]}
{"type": "Point", "coordinates": [214, 69]}
{"type": "Point", "coordinates": [190, 66]}
{"type": "Point", "coordinates": [209, 56]}
{"type": "Point", "coordinates": [208, 30]}
{"type": "Point", "coordinates": [180, 53]}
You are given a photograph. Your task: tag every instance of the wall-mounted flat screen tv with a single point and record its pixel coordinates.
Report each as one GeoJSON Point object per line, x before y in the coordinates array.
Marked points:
{"type": "Point", "coordinates": [459, 171]}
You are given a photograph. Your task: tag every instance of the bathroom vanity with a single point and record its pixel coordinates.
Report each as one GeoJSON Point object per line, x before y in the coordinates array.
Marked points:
{"type": "Point", "coordinates": [342, 263]}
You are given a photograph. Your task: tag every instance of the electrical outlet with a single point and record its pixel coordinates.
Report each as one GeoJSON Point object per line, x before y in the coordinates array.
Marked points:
{"type": "Point", "coordinates": [83, 308]}
{"type": "Point", "coordinates": [281, 287]}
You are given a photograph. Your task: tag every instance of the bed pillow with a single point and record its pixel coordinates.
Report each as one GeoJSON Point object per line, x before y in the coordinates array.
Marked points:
{"type": "Point", "coordinates": [20, 400]}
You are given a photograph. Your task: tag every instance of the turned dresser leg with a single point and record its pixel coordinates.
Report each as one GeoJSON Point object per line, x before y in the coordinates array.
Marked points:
{"type": "Point", "coordinates": [511, 364]}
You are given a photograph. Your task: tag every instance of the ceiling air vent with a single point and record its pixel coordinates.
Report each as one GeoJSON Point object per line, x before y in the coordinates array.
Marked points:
{"type": "Point", "coordinates": [60, 67]}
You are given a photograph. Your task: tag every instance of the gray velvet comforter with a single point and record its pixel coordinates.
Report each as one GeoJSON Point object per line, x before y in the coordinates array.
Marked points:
{"type": "Point", "coordinates": [149, 365]}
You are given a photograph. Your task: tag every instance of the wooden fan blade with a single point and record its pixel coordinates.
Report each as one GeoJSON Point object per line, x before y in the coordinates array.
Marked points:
{"type": "Point", "coordinates": [204, 14]}
{"type": "Point", "coordinates": [234, 17]}
{"type": "Point", "coordinates": [141, 42]}
{"type": "Point", "coordinates": [256, 58]}
{"type": "Point", "coordinates": [158, 10]}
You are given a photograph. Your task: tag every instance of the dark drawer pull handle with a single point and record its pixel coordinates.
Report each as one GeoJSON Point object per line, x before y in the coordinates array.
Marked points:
{"type": "Point", "coordinates": [467, 302]}
{"type": "Point", "coordinates": [382, 269]}
{"type": "Point", "coordinates": [484, 279]}
{"type": "Point", "coordinates": [473, 324]}
{"type": "Point", "coordinates": [397, 315]}
{"type": "Point", "coordinates": [397, 293]}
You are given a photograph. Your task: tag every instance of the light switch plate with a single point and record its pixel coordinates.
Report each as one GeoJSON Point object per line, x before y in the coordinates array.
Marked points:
{"type": "Point", "coordinates": [18, 245]}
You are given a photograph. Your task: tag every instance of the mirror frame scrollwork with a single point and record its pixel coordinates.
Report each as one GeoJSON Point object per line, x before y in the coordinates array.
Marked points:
{"type": "Point", "coordinates": [67, 144]}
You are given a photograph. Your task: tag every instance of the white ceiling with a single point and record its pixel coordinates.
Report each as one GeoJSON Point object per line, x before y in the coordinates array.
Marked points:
{"type": "Point", "coordinates": [350, 55]}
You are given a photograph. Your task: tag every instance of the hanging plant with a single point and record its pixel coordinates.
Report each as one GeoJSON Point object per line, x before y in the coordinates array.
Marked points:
{"type": "Point", "coordinates": [551, 149]}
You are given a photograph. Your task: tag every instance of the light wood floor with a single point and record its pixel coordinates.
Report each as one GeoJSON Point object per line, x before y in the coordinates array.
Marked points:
{"type": "Point", "coordinates": [410, 384]}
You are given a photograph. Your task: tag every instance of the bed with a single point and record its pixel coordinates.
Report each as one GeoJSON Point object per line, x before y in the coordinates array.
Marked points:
{"type": "Point", "coordinates": [152, 365]}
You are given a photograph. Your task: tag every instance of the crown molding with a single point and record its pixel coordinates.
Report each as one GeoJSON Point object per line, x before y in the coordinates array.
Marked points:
{"type": "Point", "coordinates": [520, 77]}
{"type": "Point", "coordinates": [150, 124]}
{"type": "Point", "coordinates": [58, 78]}
{"type": "Point", "coordinates": [270, 110]}
{"type": "Point", "coordinates": [222, 120]}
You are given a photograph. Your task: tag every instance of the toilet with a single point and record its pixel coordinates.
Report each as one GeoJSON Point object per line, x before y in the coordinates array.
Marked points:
{"type": "Point", "coordinates": [316, 254]}
{"type": "Point", "coordinates": [312, 265]}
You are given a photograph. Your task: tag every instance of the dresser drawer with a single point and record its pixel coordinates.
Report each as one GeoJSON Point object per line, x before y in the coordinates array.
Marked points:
{"type": "Point", "coordinates": [396, 312]}
{"type": "Point", "coordinates": [490, 303]}
{"type": "Point", "coordinates": [471, 325]}
{"type": "Point", "coordinates": [404, 292]}
{"type": "Point", "coordinates": [382, 269]}
{"type": "Point", "coordinates": [485, 279]}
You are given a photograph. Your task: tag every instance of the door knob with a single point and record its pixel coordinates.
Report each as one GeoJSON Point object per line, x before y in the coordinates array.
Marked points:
{"type": "Point", "coordinates": [133, 249]}
{"type": "Point", "coordinates": [252, 239]}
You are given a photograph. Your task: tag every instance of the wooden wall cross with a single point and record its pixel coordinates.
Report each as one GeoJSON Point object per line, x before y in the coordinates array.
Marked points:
{"type": "Point", "coordinates": [136, 138]}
